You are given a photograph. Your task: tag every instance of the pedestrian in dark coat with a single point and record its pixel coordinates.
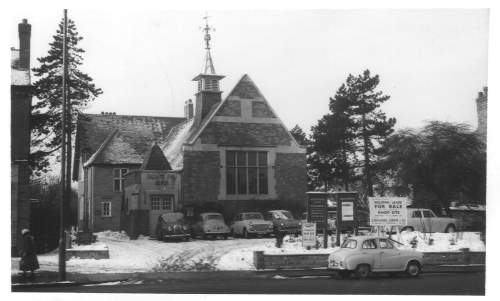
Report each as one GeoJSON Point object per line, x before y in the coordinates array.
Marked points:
{"type": "Point", "coordinates": [29, 261]}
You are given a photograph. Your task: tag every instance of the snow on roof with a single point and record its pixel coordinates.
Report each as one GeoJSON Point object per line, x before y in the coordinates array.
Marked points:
{"type": "Point", "coordinates": [173, 145]}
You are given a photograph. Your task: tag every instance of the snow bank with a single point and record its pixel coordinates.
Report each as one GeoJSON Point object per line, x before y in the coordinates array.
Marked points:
{"type": "Point", "coordinates": [146, 255]}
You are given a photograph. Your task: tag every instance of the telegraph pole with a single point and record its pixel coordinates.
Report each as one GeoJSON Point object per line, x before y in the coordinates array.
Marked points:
{"type": "Point", "coordinates": [64, 189]}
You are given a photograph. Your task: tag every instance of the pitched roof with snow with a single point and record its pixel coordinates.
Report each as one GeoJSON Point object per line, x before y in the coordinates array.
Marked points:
{"type": "Point", "coordinates": [18, 76]}
{"type": "Point", "coordinates": [116, 139]}
{"type": "Point", "coordinates": [172, 148]}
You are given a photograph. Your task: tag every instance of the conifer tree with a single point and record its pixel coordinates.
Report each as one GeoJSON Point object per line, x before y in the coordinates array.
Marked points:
{"type": "Point", "coordinates": [370, 124]}
{"type": "Point", "coordinates": [46, 111]}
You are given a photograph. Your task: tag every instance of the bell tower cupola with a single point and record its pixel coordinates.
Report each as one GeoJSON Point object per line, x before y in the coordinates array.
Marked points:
{"type": "Point", "coordinates": [208, 93]}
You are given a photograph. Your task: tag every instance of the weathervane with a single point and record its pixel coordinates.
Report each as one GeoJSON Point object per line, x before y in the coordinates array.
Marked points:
{"type": "Point", "coordinates": [207, 30]}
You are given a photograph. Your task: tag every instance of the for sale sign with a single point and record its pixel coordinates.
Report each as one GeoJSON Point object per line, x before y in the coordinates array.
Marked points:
{"type": "Point", "coordinates": [308, 234]}
{"type": "Point", "coordinates": [387, 211]}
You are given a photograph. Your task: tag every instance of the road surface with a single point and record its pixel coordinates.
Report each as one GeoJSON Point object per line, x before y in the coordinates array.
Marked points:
{"type": "Point", "coordinates": [426, 284]}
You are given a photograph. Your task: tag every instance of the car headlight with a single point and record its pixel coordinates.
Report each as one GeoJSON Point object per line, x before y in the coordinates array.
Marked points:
{"type": "Point", "coordinates": [270, 226]}
{"type": "Point", "coordinates": [169, 228]}
{"type": "Point", "coordinates": [184, 227]}
{"type": "Point", "coordinates": [282, 224]}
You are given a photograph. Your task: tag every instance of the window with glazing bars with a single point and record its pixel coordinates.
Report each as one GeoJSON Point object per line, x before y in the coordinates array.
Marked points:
{"type": "Point", "coordinates": [246, 172]}
{"type": "Point", "coordinates": [162, 202]}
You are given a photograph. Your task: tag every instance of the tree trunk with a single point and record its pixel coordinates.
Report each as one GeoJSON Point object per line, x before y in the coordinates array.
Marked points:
{"type": "Point", "coordinates": [345, 166]}
{"type": "Point", "coordinates": [369, 186]}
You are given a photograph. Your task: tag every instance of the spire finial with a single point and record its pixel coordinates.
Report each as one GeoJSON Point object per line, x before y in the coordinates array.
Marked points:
{"type": "Point", "coordinates": [207, 30]}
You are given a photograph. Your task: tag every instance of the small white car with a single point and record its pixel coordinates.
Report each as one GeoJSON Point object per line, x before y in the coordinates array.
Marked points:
{"type": "Point", "coordinates": [424, 220]}
{"type": "Point", "coordinates": [363, 255]}
{"type": "Point", "coordinates": [251, 223]}
{"type": "Point", "coordinates": [210, 224]}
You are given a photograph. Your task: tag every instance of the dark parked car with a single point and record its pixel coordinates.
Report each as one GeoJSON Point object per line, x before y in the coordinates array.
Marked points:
{"type": "Point", "coordinates": [172, 226]}
{"type": "Point", "coordinates": [284, 221]}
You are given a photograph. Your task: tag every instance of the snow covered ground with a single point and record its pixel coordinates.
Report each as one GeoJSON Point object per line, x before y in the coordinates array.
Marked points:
{"type": "Point", "coordinates": [145, 255]}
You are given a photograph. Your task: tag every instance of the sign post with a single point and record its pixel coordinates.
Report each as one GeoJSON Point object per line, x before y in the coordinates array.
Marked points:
{"type": "Point", "coordinates": [387, 211]}
{"type": "Point", "coordinates": [346, 211]}
{"type": "Point", "coordinates": [317, 212]}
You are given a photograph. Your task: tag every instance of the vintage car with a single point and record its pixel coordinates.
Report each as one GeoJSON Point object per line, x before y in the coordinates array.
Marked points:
{"type": "Point", "coordinates": [172, 226]}
{"type": "Point", "coordinates": [331, 220]}
{"type": "Point", "coordinates": [284, 221]}
{"type": "Point", "coordinates": [210, 224]}
{"type": "Point", "coordinates": [424, 220]}
{"type": "Point", "coordinates": [362, 255]}
{"type": "Point", "coordinates": [251, 223]}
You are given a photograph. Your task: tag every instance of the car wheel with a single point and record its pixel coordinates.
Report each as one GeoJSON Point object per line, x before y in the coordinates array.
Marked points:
{"type": "Point", "coordinates": [413, 269]}
{"type": "Point", "coordinates": [408, 228]}
{"type": "Point", "coordinates": [232, 233]}
{"type": "Point", "coordinates": [245, 233]}
{"type": "Point", "coordinates": [450, 229]}
{"type": "Point", "coordinates": [203, 236]}
{"type": "Point", "coordinates": [224, 236]}
{"type": "Point", "coordinates": [362, 271]}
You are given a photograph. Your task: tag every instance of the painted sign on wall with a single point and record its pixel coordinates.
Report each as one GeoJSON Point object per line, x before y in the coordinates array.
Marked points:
{"type": "Point", "coordinates": [347, 211]}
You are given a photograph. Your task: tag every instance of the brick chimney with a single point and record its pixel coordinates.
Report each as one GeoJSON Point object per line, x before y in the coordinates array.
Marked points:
{"type": "Point", "coordinates": [188, 109]}
{"type": "Point", "coordinates": [24, 44]}
{"type": "Point", "coordinates": [482, 112]}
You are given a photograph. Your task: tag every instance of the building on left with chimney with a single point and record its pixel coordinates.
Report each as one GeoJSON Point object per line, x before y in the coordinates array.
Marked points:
{"type": "Point", "coordinates": [20, 102]}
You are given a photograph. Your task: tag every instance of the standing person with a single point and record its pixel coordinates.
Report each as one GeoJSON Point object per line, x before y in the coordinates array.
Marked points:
{"type": "Point", "coordinates": [29, 261]}
{"type": "Point", "coordinates": [279, 236]}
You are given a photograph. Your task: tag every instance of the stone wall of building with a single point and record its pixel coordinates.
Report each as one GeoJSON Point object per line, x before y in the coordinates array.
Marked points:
{"type": "Point", "coordinates": [261, 109]}
{"type": "Point", "coordinates": [230, 108]}
{"type": "Point", "coordinates": [200, 177]}
{"type": "Point", "coordinates": [291, 182]}
{"type": "Point", "coordinates": [245, 134]}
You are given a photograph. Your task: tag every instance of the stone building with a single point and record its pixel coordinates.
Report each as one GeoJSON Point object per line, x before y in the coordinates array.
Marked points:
{"type": "Point", "coordinates": [20, 103]}
{"type": "Point", "coordinates": [227, 155]}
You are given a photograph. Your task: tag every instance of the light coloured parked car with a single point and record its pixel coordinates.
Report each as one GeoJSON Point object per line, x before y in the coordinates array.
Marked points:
{"type": "Point", "coordinates": [424, 220]}
{"type": "Point", "coordinates": [363, 255]}
{"type": "Point", "coordinates": [251, 223]}
{"type": "Point", "coordinates": [210, 224]}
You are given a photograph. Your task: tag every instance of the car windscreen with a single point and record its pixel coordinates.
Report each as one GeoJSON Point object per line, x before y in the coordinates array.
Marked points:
{"type": "Point", "coordinates": [282, 215]}
{"type": "Point", "coordinates": [213, 217]}
{"type": "Point", "coordinates": [349, 244]}
{"type": "Point", "coordinates": [253, 216]}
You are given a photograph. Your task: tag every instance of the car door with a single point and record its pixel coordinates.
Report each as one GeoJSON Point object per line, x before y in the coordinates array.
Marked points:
{"type": "Point", "coordinates": [429, 221]}
{"type": "Point", "coordinates": [237, 225]}
{"type": "Point", "coordinates": [415, 220]}
{"type": "Point", "coordinates": [370, 253]}
{"type": "Point", "coordinates": [390, 256]}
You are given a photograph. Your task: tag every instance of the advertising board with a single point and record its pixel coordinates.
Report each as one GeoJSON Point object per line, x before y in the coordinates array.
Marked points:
{"type": "Point", "coordinates": [308, 234]}
{"type": "Point", "coordinates": [387, 211]}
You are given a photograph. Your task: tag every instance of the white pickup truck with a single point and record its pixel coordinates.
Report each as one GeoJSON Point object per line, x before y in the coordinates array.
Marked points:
{"type": "Point", "coordinates": [424, 220]}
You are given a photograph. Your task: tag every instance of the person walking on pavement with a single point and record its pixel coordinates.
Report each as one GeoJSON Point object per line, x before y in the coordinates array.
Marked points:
{"type": "Point", "coordinates": [29, 261]}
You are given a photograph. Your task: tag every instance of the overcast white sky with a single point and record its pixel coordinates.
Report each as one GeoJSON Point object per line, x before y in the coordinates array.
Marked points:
{"type": "Point", "coordinates": [431, 62]}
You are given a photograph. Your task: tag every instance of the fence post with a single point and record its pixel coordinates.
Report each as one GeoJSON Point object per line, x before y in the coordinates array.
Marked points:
{"type": "Point", "coordinates": [258, 260]}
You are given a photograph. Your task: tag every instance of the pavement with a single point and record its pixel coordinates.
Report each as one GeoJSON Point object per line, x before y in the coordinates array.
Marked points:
{"type": "Point", "coordinates": [279, 282]}
{"type": "Point", "coordinates": [50, 278]}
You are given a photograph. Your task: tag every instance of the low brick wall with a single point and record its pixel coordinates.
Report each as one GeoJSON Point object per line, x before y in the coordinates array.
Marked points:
{"type": "Point", "coordinates": [87, 254]}
{"type": "Point", "coordinates": [432, 260]}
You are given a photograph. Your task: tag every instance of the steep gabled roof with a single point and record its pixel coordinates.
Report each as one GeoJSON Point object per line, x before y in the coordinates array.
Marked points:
{"type": "Point", "coordinates": [155, 160]}
{"type": "Point", "coordinates": [244, 89]}
{"type": "Point", "coordinates": [132, 140]}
